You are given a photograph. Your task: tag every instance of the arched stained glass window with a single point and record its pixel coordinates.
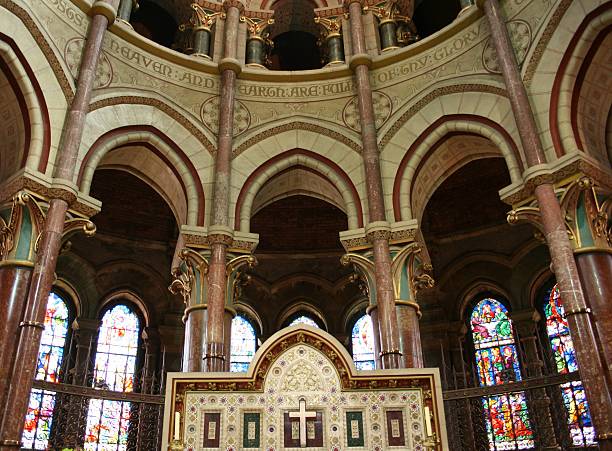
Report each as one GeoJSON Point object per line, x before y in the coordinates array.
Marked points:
{"type": "Point", "coordinates": [303, 319]}
{"type": "Point", "coordinates": [244, 344]}
{"type": "Point", "coordinates": [506, 416]}
{"type": "Point", "coordinates": [50, 355]}
{"type": "Point", "coordinates": [115, 365]}
{"type": "Point", "coordinates": [363, 343]}
{"type": "Point", "coordinates": [564, 355]}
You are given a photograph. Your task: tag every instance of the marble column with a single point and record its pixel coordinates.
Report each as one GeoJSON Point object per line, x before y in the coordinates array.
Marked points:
{"type": "Point", "coordinates": [526, 324]}
{"type": "Point", "coordinates": [14, 285]}
{"type": "Point", "coordinates": [219, 232]}
{"type": "Point", "coordinates": [378, 230]}
{"type": "Point", "coordinates": [595, 271]}
{"type": "Point", "coordinates": [194, 346]}
{"type": "Point", "coordinates": [43, 274]}
{"type": "Point", "coordinates": [408, 315]}
{"type": "Point", "coordinates": [579, 318]}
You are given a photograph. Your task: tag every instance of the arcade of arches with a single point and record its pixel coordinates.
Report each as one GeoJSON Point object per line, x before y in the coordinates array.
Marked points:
{"type": "Point", "coordinates": [427, 181]}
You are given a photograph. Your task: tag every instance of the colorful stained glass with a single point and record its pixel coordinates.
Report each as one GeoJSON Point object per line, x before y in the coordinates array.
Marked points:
{"type": "Point", "coordinates": [363, 343]}
{"type": "Point", "coordinates": [564, 355]}
{"type": "Point", "coordinates": [303, 319]}
{"type": "Point", "coordinates": [244, 344]}
{"type": "Point", "coordinates": [506, 416]}
{"type": "Point", "coordinates": [50, 355]}
{"type": "Point", "coordinates": [115, 366]}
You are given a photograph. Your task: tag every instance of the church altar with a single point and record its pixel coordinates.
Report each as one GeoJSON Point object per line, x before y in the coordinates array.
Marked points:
{"type": "Point", "coordinates": [302, 392]}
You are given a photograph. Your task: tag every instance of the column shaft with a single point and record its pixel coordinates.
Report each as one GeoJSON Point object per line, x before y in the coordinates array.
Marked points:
{"type": "Point", "coordinates": [595, 271]}
{"type": "Point", "coordinates": [22, 373]}
{"type": "Point", "coordinates": [14, 285]}
{"type": "Point", "coordinates": [194, 347]}
{"type": "Point", "coordinates": [564, 265]}
{"type": "Point", "coordinates": [410, 338]}
{"type": "Point", "coordinates": [389, 335]}
{"type": "Point", "coordinates": [373, 312]}
{"type": "Point", "coordinates": [217, 277]}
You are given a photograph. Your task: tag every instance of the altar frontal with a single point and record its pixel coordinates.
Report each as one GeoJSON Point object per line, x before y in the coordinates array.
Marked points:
{"type": "Point", "coordinates": [302, 391]}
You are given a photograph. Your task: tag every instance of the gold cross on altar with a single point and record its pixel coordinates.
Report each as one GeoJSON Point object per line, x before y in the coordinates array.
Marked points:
{"type": "Point", "coordinates": [302, 415]}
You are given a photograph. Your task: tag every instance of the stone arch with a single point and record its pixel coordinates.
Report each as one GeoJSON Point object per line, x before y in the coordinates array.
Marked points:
{"type": "Point", "coordinates": [426, 145]}
{"type": "Point", "coordinates": [132, 298]}
{"type": "Point", "coordinates": [31, 125]}
{"type": "Point", "coordinates": [578, 54]}
{"type": "Point", "coordinates": [479, 287]}
{"type": "Point", "coordinates": [322, 165]}
{"type": "Point", "coordinates": [167, 155]}
{"type": "Point", "coordinates": [302, 305]}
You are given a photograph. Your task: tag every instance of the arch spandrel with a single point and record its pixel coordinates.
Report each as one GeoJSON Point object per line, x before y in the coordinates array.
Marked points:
{"type": "Point", "coordinates": [304, 363]}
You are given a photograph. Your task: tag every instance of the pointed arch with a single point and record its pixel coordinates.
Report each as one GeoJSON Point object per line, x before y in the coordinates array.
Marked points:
{"type": "Point", "coordinates": [165, 149]}
{"type": "Point", "coordinates": [320, 164]}
{"type": "Point", "coordinates": [433, 137]}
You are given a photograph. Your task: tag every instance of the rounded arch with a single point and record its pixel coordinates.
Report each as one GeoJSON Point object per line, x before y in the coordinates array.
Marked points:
{"type": "Point", "coordinates": [541, 281]}
{"type": "Point", "coordinates": [574, 64]}
{"type": "Point", "coordinates": [166, 151]}
{"type": "Point", "coordinates": [32, 107]}
{"type": "Point", "coordinates": [433, 137]}
{"type": "Point", "coordinates": [131, 300]}
{"type": "Point", "coordinates": [251, 314]}
{"type": "Point", "coordinates": [353, 313]}
{"type": "Point", "coordinates": [67, 290]}
{"type": "Point", "coordinates": [299, 157]}
{"type": "Point", "coordinates": [478, 290]}
{"type": "Point", "coordinates": [299, 308]}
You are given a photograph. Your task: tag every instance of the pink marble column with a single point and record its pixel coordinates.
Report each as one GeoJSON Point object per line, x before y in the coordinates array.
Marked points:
{"type": "Point", "coordinates": [592, 369]}
{"type": "Point", "coordinates": [32, 325]}
{"type": "Point", "coordinates": [217, 278]}
{"type": "Point", "coordinates": [194, 346]}
{"type": "Point", "coordinates": [389, 335]}
{"type": "Point", "coordinates": [408, 316]}
{"type": "Point", "coordinates": [595, 270]}
{"type": "Point", "coordinates": [14, 285]}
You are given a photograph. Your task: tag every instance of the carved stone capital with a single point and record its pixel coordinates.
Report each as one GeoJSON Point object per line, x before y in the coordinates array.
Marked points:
{"type": "Point", "coordinates": [227, 4]}
{"type": "Point", "coordinates": [257, 27]}
{"type": "Point", "coordinates": [379, 230]}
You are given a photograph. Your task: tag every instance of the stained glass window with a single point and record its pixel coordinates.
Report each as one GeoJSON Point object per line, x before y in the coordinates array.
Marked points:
{"type": "Point", "coordinates": [50, 354]}
{"type": "Point", "coordinates": [303, 319]}
{"type": "Point", "coordinates": [363, 343]}
{"type": "Point", "coordinates": [564, 355]}
{"type": "Point", "coordinates": [244, 344]}
{"type": "Point", "coordinates": [115, 364]}
{"type": "Point", "coordinates": [506, 416]}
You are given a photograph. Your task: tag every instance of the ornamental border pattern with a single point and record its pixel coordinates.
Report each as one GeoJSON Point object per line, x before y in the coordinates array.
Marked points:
{"type": "Point", "coordinates": [542, 44]}
{"type": "Point", "coordinates": [43, 45]}
{"type": "Point", "coordinates": [136, 100]}
{"type": "Point", "coordinates": [296, 125]}
{"type": "Point", "coordinates": [439, 92]}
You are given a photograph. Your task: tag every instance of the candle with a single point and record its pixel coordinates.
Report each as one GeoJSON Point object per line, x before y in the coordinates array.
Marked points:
{"type": "Point", "coordinates": [177, 425]}
{"type": "Point", "coordinates": [428, 430]}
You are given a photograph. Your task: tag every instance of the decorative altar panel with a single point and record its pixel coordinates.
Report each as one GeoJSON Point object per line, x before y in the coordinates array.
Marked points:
{"type": "Point", "coordinates": [303, 392]}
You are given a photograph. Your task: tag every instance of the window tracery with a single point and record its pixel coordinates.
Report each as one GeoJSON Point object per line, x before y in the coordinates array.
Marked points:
{"type": "Point", "coordinates": [115, 367]}
{"type": "Point", "coordinates": [39, 418]}
{"type": "Point", "coordinates": [506, 416]}
{"type": "Point", "coordinates": [564, 356]}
